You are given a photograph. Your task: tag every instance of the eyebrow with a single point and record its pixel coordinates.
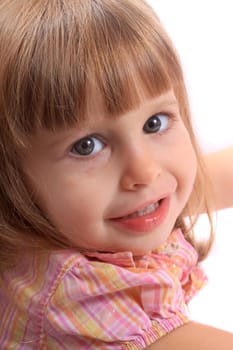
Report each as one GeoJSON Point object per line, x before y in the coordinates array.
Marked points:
{"type": "Point", "coordinates": [161, 102]}
{"type": "Point", "coordinates": [166, 99]}
{"type": "Point", "coordinates": [62, 139]}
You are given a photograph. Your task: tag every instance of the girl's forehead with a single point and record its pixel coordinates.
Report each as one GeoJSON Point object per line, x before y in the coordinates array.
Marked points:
{"type": "Point", "coordinates": [96, 103]}
{"type": "Point", "coordinates": [96, 111]}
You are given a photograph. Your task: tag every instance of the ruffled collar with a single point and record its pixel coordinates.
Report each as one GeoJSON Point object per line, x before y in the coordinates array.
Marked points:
{"type": "Point", "coordinates": [175, 250]}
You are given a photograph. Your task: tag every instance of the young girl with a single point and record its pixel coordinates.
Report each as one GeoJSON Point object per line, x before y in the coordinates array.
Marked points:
{"type": "Point", "coordinates": [99, 174]}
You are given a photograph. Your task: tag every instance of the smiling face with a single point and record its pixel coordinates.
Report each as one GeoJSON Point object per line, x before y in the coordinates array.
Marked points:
{"type": "Point", "coordinates": [115, 184]}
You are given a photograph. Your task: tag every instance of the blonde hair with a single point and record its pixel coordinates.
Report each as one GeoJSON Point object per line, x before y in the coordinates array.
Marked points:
{"type": "Point", "coordinates": [51, 52]}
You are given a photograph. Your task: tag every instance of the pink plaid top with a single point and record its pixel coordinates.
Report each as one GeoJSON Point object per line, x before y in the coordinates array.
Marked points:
{"type": "Point", "coordinates": [67, 300]}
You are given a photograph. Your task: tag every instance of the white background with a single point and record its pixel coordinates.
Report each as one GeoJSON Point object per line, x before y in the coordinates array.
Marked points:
{"type": "Point", "coordinates": [202, 31]}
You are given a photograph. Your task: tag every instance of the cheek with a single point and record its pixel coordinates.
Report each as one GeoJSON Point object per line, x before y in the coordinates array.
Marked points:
{"type": "Point", "coordinates": [188, 165]}
{"type": "Point", "coordinates": [72, 204]}
{"type": "Point", "coordinates": [183, 162]}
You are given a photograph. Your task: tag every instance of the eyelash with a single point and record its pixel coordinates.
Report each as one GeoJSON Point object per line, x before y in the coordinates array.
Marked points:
{"type": "Point", "coordinates": [171, 118]}
{"type": "Point", "coordinates": [85, 139]}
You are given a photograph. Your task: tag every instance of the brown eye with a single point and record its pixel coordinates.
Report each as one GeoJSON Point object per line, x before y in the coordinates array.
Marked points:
{"type": "Point", "coordinates": [155, 124]}
{"type": "Point", "coordinates": [87, 146]}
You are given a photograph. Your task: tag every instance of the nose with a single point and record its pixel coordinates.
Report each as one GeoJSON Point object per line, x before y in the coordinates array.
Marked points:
{"type": "Point", "coordinates": [140, 168]}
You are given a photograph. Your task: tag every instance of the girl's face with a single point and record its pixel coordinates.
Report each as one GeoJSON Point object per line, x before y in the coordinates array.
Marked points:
{"type": "Point", "coordinates": [116, 184]}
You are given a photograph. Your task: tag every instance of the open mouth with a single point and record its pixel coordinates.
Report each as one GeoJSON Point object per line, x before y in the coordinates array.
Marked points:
{"type": "Point", "coordinates": [142, 212]}
{"type": "Point", "coordinates": [145, 219]}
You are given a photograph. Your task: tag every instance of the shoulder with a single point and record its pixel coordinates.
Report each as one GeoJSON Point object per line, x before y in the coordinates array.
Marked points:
{"type": "Point", "coordinates": [25, 292]}
{"type": "Point", "coordinates": [41, 271]}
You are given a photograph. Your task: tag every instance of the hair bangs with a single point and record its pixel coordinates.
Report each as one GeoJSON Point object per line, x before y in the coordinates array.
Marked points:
{"type": "Point", "coordinates": [131, 57]}
{"type": "Point", "coordinates": [128, 73]}
{"type": "Point", "coordinates": [122, 52]}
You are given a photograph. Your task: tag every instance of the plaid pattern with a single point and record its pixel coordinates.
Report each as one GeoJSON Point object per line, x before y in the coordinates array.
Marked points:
{"type": "Point", "coordinates": [66, 300]}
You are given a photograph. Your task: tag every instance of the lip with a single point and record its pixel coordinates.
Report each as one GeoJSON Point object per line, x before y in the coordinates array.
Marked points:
{"type": "Point", "coordinates": [147, 222]}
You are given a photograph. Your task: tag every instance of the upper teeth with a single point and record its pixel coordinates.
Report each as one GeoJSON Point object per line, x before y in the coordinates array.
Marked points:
{"type": "Point", "coordinates": [149, 209]}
